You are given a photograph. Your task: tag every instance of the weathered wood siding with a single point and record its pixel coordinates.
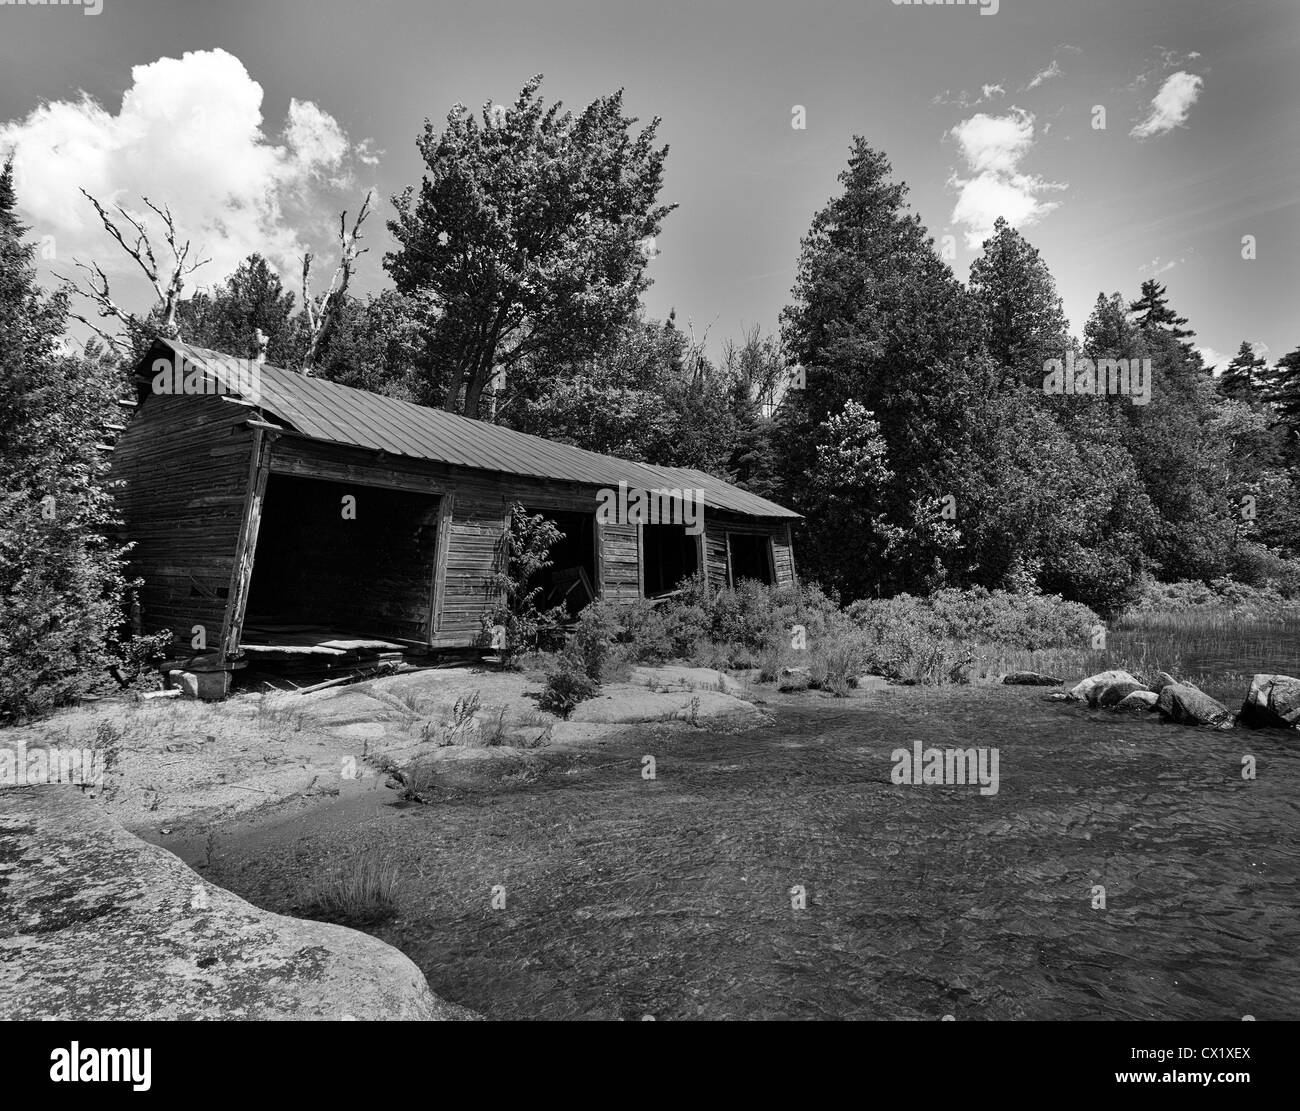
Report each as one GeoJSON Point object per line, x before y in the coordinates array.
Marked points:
{"type": "Point", "coordinates": [184, 463]}
{"type": "Point", "coordinates": [783, 552]}
{"type": "Point", "coordinates": [187, 465]}
{"type": "Point", "coordinates": [715, 553]}
{"type": "Point", "coordinates": [718, 525]}
{"type": "Point", "coordinates": [620, 559]}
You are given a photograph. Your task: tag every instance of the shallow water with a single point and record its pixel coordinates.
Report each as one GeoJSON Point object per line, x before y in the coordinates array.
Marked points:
{"type": "Point", "coordinates": [671, 897]}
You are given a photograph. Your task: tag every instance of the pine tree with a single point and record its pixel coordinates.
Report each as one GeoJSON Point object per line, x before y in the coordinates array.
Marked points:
{"type": "Point", "coordinates": [877, 318]}
{"type": "Point", "coordinates": [228, 317]}
{"type": "Point", "coordinates": [1023, 320]}
{"type": "Point", "coordinates": [1283, 392]}
{"type": "Point", "coordinates": [1242, 378]}
{"type": "Point", "coordinates": [1153, 312]}
{"type": "Point", "coordinates": [61, 584]}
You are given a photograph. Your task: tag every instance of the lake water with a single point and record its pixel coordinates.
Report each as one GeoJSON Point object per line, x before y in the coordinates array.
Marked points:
{"type": "Point", "coordinates": [672, 897]}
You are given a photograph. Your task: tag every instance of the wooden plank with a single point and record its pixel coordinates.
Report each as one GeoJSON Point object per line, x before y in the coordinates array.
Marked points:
{"type": "Point", "coordinates": [242, 575]}
{"type": "Point", "coordinates": [640, 561]}
{"type": "Point", "coordinates": [701, 557]}
{"type": "Point", "coordinates": [446, 510]}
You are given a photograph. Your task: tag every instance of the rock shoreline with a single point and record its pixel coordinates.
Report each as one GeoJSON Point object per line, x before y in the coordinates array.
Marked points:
{"type": "Point", "coordinates": [1272, 701]}
{"type": "Point", "coordinates": [98, 924]}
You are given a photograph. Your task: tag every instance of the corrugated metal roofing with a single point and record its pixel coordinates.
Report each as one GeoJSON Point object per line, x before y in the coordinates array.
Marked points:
{"type": "Point", "coordinates": [340, 414]}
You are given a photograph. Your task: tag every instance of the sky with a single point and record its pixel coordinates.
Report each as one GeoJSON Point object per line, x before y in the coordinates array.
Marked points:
{"type": "Point", "coordinates": [258, 122]}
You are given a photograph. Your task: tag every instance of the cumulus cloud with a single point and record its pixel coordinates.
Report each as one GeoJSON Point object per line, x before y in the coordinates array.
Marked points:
{"type": "Point", "coordinates": [993, 148]}
{"type": "Point", "coordinates": [1170, 106]}
{"type": "Point", "coordinates": [189, 133]}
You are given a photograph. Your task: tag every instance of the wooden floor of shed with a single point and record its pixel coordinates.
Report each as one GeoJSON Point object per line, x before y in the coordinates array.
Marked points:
{"type": "Point", "coordinates": [305, 654]}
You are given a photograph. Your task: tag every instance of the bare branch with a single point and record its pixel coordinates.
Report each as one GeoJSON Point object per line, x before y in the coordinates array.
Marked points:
{"type": "Point", "coordinates": [323, 312]}
{"type": "Point", "coordinates": [169, 291]}
{"type": "Point", "coordinates": [308, 302]}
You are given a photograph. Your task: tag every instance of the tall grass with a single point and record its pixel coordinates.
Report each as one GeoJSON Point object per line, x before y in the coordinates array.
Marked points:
{"type": "Point", "coordinates": [363, 892]}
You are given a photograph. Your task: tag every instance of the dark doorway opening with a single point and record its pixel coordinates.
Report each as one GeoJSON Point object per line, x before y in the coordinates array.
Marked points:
{"type": "Point", "coordinates": [316, 567]}
{"type": "Point", "coordinates": [571, 579]}
{"type": "Point", "coordinates": [750, 557]}
{"type": "Point", "coordinates": [669, 554]}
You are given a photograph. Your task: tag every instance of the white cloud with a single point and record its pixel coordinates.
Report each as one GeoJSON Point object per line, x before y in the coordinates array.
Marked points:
{"type": "Point", "coordinates": [968, 100]}
{"type": "Point", "coordinates": [1170, 106]}
{"type": "Point", "coordinates": [1213, 360]}
{"type": "Point", "coordinates": [1045, 75]}
{"type": "Point", "coordinates": [993, 148]}
{"type": "Point", "coordinates": [1156, 267]}
{"type": "Point", "coordinates": [189, 134]}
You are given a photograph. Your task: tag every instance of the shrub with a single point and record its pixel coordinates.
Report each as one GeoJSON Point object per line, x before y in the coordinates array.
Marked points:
{"type": "Point", "coordinates": [139, 658]}
{"type": "Point", "coordinates": [769, 664]}
{"type": "Point", "coordinates": [567, 685]}
{"type": "Point", "coordinates": [523, 551]}
{"type": "Point", "coordinates": [979, 616]}
{"type": "Point", "coordinates": [842, 659]}
{"type": "Point", "coordinates": [593, 640]}
{"type": "Point", "coordinates": [1272, 600]}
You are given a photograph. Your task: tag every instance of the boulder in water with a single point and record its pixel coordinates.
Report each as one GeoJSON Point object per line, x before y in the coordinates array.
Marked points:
{"type": "Point", "coordinates": [1030, 679]}
{"type": "Point", "coordinates": [1273, 700]}
{"type": "Point", "coordinates": [1162, 680]}
{"type": "Point", "coordinates": [1115, 693]}
{"type": "Point", "coordinates": [1188, 705]}
{"type": "Point", "coordinates": [1137, 702]}
{"type": "Point", "coordinates": [1090, 690]}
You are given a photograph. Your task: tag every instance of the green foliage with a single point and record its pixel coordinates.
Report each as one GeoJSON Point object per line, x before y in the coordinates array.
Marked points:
{"type": "Point", "coordinates": [1154, 314]}
{"type": "Point", "coordinates": [140, 656]}
{"type": "Point", "coordinates": [379, 344]}
{"type": "Point", "coordinates": [649, 395]}
{"type": "Point", "coordinates": [61, 580]}
{"type": "Point", "coordinates": [1024, 324]}
{"type": "Point", "coordinates": [523, 552]}
{"type": "Point", "coordinates": [593, 642]}
{"type": "Point", "coordinates": [1244, 376]}
{"type": "Point", "coordinates": [978, 616]}
{"type": "Point", "coordinates": [529, 230]}
{"type": "Point", "coordinates": [757, 375]}
{"type": "Point", "coordinates": [567, 684]}
{"type": "Point", "coordinates": [878, 319]}
{"type": "Point", "coordinates": [228, 317]}
{"type": "Point", "coordinates": [847, 494]}
{"type": "Point", "coordinates": [1220, 594]}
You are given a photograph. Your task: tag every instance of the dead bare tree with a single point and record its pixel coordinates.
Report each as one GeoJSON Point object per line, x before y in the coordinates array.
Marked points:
{"type": "Point", "coordinates": [167, 285]}
{"type": "Point", "coordinates": [322, 312]}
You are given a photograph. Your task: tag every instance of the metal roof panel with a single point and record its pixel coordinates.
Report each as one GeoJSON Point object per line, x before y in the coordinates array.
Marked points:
{"type": "Point", "coordinates": [329, 411]}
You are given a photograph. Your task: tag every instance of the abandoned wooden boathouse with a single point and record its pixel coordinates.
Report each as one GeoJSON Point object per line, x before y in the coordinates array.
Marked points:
{"type": "Point", "coordinates": [276, 515]}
